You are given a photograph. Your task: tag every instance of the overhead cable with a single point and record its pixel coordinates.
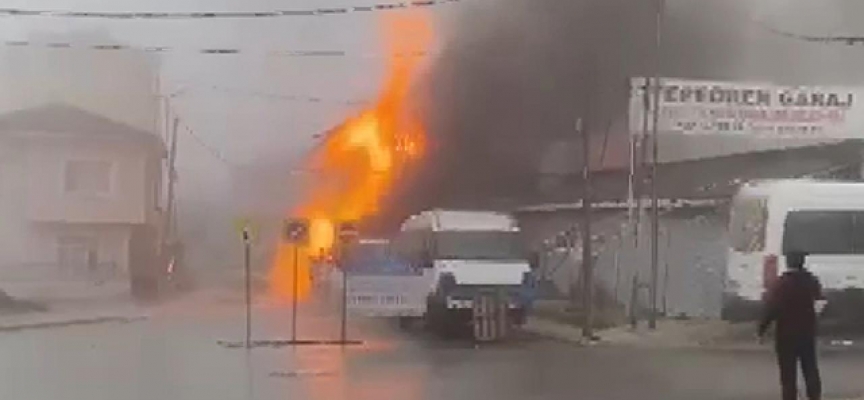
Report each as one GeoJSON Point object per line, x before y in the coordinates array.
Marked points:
{"type": "Point", "coordinates": [829, 39]}
{"type": "Point", "coordinates": [285, 97]}
{"type": "Point", "coordinates": [278, 13]}
{"type": "Point", "coordinates": [209, 148]}
{"type": "Point", "coordinates": [214, 51]}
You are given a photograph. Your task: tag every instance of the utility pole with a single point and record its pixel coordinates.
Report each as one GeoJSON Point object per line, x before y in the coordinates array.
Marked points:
{"type": "Point", "coordinates": [589, 72]}
{"type": "Point", "coordinates": [169, 206]}
{"type": "Point", "coordinates": [170, 135]}
{"type": "Point", "coordinates": [616, 263]}
{"type": "Point", "coordinates": [655, 215]}
{"type": "Point", "coordinates": [640, 172]}
{"type": "Point", "coordinates": [637, 155]}
{"type": "Point", "coordinates": [666, 271]}
{"type": "Point", "coordinates": [166, 116]}
{"type": "Point", "coordinates": [247, 269]}
{"type": "Point", "coordinates": [587, 258]}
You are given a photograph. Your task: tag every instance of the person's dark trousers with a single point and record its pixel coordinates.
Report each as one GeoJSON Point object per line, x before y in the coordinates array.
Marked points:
{"type": "Point", "coordinates": [791, 351]}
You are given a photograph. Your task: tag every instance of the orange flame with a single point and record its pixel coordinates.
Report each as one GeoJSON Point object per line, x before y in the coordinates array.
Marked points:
{"type": "Point", "coordinates": [361, 160]}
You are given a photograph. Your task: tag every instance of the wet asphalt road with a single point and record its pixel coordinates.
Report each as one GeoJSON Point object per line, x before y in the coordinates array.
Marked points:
{"type": "Point", "coordinates": [175, 355]}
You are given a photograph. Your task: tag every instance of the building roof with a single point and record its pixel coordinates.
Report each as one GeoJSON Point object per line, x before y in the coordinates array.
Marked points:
{"type": "Point", "coordinates": [68, 120]}
{"type": "Point", "coordinates": [712, 178]}
{"type": "Point", "coordinates": [612, 151]}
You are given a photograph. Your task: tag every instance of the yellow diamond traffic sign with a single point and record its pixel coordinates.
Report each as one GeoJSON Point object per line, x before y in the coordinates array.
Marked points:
{"type": "Point", "coordinates": [246, 224]}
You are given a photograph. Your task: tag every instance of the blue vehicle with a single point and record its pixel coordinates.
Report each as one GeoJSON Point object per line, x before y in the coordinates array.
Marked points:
{"type": "Point", "coordinates": [374, 257]}
{"type": "Point", "coordinates": [380, 284]}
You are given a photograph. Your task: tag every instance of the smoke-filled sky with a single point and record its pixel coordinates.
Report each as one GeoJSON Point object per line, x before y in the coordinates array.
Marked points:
{"type": "Point", "coordinates": [241, 123]}
{"type": "Point", "coordinates": [513, 77]}
{"type": "Point", "coordinates": [507, 81]}
{"type": "Point", "coordinates": [238, 119]}
{"type": "Point", "coordinates": [520, 71]}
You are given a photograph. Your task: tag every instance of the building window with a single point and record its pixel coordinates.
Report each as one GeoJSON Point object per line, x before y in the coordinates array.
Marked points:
{"type": "Point", "coordinates": [87, 177]}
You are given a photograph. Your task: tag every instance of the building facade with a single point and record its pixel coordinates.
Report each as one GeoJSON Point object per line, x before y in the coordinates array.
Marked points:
{"type": "Point", "coordinates": [76, 192]}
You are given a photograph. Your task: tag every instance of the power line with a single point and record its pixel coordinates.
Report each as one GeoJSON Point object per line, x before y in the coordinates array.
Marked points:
{"type": "Point", "coordinates": [218, 154]}
{"type": "Point", "coordinates": [841, 39]}
{"type": "Point", "coordinates": [157, 15]}
{"type": "Point", "coordinates": [286, 97]}
{"type": "Point", "coordinates": [214, 51]}
{"type": "Point", "coordinates": [210, 149]}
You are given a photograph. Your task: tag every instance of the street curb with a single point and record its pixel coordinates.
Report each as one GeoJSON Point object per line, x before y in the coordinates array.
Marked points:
{"type": "Point", "coordinates": [548, 334]}
{"type": "Point", "coordinates": [69, 322]}
{"type": "Point", "coordinates": [573, 336]}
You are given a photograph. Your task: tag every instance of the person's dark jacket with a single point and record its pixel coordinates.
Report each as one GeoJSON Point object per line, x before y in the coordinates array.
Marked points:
{"type": "Point", "coordinates": [791, 303]}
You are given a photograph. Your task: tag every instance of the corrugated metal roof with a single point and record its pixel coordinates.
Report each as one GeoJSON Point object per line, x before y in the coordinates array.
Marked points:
{"type": "Point", "coordinates": [612, 151]}
{"type": "Point", "coordinates": [717, 177]}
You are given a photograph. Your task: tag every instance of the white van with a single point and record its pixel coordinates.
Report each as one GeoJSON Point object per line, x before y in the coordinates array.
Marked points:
{"type": "Point", "coordinates": [767, 219]}
{"type": "Point", "coordinates": [468, 252]}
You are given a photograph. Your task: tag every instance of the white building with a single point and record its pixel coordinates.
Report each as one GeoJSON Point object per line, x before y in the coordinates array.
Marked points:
{"type": "Point", "coordinates": [79, 202]}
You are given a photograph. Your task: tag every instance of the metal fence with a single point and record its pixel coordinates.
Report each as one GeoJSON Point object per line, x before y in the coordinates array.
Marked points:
{"type": "Point", "coordinates": [692, 261]}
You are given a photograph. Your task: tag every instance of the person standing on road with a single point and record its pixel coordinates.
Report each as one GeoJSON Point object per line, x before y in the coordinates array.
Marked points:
{"type": "Point", "coordinates": [791, 303]}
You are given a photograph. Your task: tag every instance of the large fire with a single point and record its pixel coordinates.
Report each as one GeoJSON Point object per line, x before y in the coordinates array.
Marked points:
{"type": "Point", "coordinates": [358, 164]}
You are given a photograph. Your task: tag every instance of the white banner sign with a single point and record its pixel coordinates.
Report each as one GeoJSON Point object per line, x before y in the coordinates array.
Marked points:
{"type": "Point", "coordinates": [382, 295]}
{"type": "Point", "coordinates": [694, 107]}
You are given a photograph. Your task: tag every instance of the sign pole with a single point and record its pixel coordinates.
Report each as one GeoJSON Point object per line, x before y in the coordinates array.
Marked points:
{"type": "Point", "coordinates": [294, 297]}
{"type": "Point", "coordinates": [296, 233]}
{"type": "Point", "coordinates": [343, 336]}
{"type": "Point", "coordinates": [248, 273]}
{"type": "Point", "coordinates": [347, 233]}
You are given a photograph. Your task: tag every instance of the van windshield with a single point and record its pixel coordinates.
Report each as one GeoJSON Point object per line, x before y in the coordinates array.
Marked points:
{"type": "Point", "coordinates": [374, 258]}
{"type": "Point", "coordinates": [824, 232]}
{"type": "Point", "coordinates": [368, 251]}
{"type": "Point", "coordinates": [491, 245]}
